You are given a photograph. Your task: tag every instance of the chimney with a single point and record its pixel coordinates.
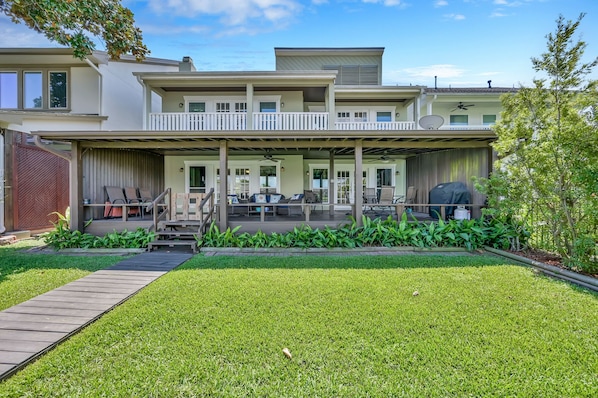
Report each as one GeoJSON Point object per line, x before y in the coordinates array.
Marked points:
{"type": "Point", "coordinates": [186, 65]}
{"type": "Point", "coordinates": [489, 83]}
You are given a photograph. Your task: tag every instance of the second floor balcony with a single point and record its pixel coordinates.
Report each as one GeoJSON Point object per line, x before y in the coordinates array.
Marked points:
{"type": "Point", "coordinates": [238, 121]}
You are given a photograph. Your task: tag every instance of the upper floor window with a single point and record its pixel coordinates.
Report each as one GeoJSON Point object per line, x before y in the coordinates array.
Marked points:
{"type": "Point", "coordinates": [383, 117]}
{"type": "Point", "coordinates": [33, 89]}
{"type": "Point", "coordinates": [197, 107]}
{"type": "Point", "coordinates": [488, 120]}
{"type": "Point", "coordinates": [8, 90]}
{"type": "Point", "coordinates": [459, 120]}
{"type": "Point", "coordinates": [268, 107]}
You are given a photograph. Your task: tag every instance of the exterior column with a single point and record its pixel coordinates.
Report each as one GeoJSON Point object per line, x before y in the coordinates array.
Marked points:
{"type": "Point", "coordinates": [76, 187]}
{"type": "Point", "coordinates": [331, 184]}
{"type": "Point", "coordinates": [358, 183]}
{"type": "Point", "coordinates": [416, 111]}
{"type": "Point", "coordinates": [249, 90]}
{"type": "Point", "coordinates": [223, 209]}
{"type": "Point", "coordinates": [330, 106]}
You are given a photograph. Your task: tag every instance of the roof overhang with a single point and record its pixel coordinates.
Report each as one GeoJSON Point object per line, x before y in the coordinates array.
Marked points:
{"type": "Point", "coordinates": [406, 142]}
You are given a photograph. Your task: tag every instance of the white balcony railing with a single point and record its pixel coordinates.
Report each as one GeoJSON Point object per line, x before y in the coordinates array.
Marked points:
{"type": "Point", "coordinates": [290, 121]}
{"type": "Point", "coordinates": [196, 121]}
{"type": "Point", "coordinates": [375, 126]}
{"type": "Point", "coordinates": [467, 127]}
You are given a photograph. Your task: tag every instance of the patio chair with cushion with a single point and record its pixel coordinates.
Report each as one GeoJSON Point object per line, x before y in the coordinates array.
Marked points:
{"type": "Point", "coordinates": [116, 196]}
{"type": "Point", "coordinates": [133, 198]}
{"type": "Point", "coordinates": [292, 210]}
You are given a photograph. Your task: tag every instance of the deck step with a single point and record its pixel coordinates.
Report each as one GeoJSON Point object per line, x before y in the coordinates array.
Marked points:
{"type": "Point", "coordinates": [173, 243]}
{"type": "Point", "coordinates": [176, 234]}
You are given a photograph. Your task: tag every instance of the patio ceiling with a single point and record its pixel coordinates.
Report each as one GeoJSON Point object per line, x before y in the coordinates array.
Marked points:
{"type": "Point", "coordinates": [399, 143]}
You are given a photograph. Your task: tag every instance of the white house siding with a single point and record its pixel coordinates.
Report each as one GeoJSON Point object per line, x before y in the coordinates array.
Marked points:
{"type": "Point", "coordinates": [84, 91]}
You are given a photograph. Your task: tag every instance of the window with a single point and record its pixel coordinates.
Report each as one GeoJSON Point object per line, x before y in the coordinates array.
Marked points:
{"type": "Point", "coordinates": [268, 180]}
{"type": "Point", "coordinates": [488, 120]}
{"type": "Point", "coordinates": [241, 107]}
{"type": "Point", "coordinates": [383, 117]}
{"type": "Point", "coordinates": [33, 89]}
{"type": "Point", "coordinates": [459, 120]}
{"type": "Point", "coordinates": [197, 107]}
{"type": "Point", "coordinates": [8, 90]}
{"type": "Point", "coordinates": [361, 116]}
{"type": "Point", "coordinates": [268, 107]}
{"type": "Point", "coordinates": [222, 107]}
{"type": "Point", "coordinates": [197, 179]}
{"type": "Point", "coordinates": [57, 89]}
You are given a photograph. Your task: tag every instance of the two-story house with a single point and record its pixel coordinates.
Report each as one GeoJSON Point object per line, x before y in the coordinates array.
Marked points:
{"type": "Point", "coordinates": [48, 89]}
{"type": "Point", "coordinates": [322, 121]}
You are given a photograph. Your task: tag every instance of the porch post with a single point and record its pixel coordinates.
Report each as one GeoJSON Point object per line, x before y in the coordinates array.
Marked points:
{"type": "Point", "coordinates": [76, 187]}
{"type": "Point", "coordinates": [358, 181]}
{"type": "Point", "coordinates": [249, 90]}
{"type": "Point", "coordinates": [330, 106]}
{"type": "Point", "coordinates": [416, 111]}
{"type": "Point", "coordinates": [331, 184]}
{"type": "Point", "coordinates": [223, 209]}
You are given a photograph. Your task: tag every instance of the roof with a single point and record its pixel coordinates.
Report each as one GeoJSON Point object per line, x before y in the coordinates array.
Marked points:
{"type": "Point", "coordinates": [471, 90]}
{"type": "Point", "coordinates": [306, 51]}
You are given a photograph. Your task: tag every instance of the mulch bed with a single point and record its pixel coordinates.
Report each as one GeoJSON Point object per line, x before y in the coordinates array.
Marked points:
{"type": "Point", "coordinates": [547, 258]}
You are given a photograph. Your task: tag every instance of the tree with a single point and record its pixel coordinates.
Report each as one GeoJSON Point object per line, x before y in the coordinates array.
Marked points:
{"type": "Point", "coordinates": [548, 149]}
{"type": "Point", "coordinates": [72, 22]}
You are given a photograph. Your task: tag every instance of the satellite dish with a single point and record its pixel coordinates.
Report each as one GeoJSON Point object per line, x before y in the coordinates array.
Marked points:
{"type": "Point", "coordinates": [431, 122]}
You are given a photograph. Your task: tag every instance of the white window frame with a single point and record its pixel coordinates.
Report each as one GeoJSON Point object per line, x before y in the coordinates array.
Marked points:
{"type": "Point", "coordinates": [371, 112]}
{"type": "Point", "coordinates": [234, 101]}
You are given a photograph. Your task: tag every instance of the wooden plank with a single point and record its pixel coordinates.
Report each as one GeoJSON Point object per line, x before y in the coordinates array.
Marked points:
{"type": "Point", "coordinates": [24, 336]}
{"type": "Point", "coordinates": [73, 320]}
{"type": "Point", "coordinates": [5, 368]}
{"type": "Point", "coordinates": [14, 357]}
{"type": "Point", "coordinates": [24, 346]}
{"type": "Point", "coordinates": [20, 325]}
{"type": "Point", "coordinates": [70, 305]}
{"type": "Point", "coordinates": [65, 312]}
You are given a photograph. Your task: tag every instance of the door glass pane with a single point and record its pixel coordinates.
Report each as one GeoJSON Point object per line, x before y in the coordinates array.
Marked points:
{"type": "Point", "coordinates": [223, 107]}
{"type": "Point", "coordinates": [33, 90]}
{"type": "Point", "coordinates": [58, 90]}
{"type": "Point", "coordinates": [241, 182]}
{"type": "Point", "coordinates": [268, 180]}
{"type": "Point", "coordinates": [197, 179]}
{"type": "Point", "coordinates": [8, 90]}
{"type": "Point", "coordinates": [319, 184]}
{"type": "Point", "coordinates": [344, 192]}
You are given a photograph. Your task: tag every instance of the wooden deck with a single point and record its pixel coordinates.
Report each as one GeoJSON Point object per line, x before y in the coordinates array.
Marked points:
{"type": "Point", "coordinates": [32, 328]}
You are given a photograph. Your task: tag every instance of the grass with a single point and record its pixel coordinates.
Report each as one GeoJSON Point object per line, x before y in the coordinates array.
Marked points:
{"type": "Point", "coordinates": [216, 326]}
{"type": "Point", "coordinates": [25, 275]}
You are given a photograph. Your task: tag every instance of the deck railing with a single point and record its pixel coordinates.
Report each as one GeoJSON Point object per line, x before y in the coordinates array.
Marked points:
{"type": "Point", "coordinates": [375, 126]}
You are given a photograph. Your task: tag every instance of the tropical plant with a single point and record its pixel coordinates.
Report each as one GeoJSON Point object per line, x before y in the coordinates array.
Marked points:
{"type": "Point", "coordinates": [547, 175]}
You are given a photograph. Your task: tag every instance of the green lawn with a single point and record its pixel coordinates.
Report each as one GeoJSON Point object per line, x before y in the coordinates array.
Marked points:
{"type": "Point", "coordinates": [217, 325]}
{"type": "Point", "coordinates": [24, 275]}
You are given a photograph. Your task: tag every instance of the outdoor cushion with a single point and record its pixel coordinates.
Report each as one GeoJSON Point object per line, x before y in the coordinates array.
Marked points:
{"type": "Point", "coordinates": [261, 198]}
{"type": "Point", "coordinates": [275, 198]}
{"type": "Point", "coordinates": [297, 196]}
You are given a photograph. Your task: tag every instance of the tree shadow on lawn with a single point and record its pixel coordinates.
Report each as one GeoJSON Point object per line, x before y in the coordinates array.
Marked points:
{"type": "Point", "coordinates": [406, 261]}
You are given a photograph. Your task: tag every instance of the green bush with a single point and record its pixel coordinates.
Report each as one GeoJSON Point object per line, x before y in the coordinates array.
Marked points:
{"type": "Point", "coordinates": [63, 238]}
{"type": "Point", "coordinates": [469, 234]}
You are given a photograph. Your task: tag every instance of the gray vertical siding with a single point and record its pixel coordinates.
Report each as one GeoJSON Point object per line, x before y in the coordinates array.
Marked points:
{"type": "Point", "coordinates": [121, 168]}
{"type": "Point", "coordinates": [428, 170]}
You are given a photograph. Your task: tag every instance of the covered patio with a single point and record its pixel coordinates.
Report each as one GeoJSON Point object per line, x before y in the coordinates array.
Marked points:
{"type": "Point", "coordinates": [355, 146]}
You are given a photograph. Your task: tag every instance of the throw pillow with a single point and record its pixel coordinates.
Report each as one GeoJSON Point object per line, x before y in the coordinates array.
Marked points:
{"type": "Point", "coordinates": [261, 198]}
{"type": "Point", "coordinates": [275, 198]}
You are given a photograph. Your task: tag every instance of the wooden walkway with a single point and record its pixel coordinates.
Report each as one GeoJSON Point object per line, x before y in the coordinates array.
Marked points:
{"type": "Point", "coordinates": [32, 328]}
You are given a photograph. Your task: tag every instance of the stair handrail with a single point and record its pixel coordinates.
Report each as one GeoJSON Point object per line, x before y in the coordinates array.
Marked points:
{"type": "Point", "coordinates": [157, 205]}
{"type": "Point", "coordinates": [206, 219]}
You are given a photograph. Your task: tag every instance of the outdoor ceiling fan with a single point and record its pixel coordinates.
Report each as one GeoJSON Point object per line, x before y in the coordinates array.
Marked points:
{"type": "Point", "coordinates": [269, 158]}
{"type": "Point", "coordinates": [462, 107]}
{"type": "Point", "coordinates": [384, 158]}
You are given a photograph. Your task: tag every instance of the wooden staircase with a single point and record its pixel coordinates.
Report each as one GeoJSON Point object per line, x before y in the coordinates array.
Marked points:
{"type": "Point", "coordinates": [190, 216]}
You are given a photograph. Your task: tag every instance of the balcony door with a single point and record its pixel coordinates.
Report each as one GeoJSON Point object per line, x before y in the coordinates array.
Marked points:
{"type": "Point", "coordinates": [319, 183]}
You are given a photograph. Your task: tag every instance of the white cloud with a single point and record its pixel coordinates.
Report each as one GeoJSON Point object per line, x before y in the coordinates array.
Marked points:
{"type": "Point", "coordinates": [443, 71]}
{"type": "Point", "coordinates": [19, 35]}
{"type": "Point", "coordinates": [456, 17]}
{"type": "Point", "coordinates": [388, 3]}
{"type": "Point", "coordinates": [440, 3]}
{"type": "Point", "coordinates": [232, 12]}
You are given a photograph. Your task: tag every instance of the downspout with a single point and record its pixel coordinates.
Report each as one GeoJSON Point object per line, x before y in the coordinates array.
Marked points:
{"type": "Point", "coordinates": [2, 149]}
{"type": "Point", "coordinates": [100, 84]}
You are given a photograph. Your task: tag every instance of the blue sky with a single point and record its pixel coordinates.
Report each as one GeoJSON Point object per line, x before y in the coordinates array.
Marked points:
{"type": "Point", "coordinates": [463, 42]}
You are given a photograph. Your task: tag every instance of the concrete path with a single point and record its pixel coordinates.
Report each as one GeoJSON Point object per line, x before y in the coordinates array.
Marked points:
{"type": "Point", "coordinates": [30, 329]}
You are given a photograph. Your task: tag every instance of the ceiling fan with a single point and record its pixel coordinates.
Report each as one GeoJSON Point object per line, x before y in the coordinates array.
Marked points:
{"type": "Point", "coordinates": [269, 158]}
{"type": "Point", "coordinates": [462, 107]}
{"type": "Point", "coordinates": [384, 158]}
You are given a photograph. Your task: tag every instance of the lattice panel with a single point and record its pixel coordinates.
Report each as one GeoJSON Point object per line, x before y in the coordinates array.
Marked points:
{"type": "Point", "coordinates": [41, 186]}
